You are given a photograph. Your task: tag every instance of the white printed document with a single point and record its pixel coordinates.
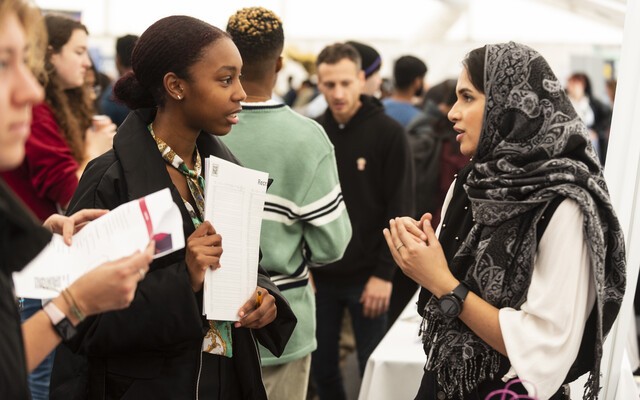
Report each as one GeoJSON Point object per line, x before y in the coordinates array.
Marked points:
{"type": "Point", "coordinates": [117, 234]}
{"type": "Point", "coordinates": [234, 203]}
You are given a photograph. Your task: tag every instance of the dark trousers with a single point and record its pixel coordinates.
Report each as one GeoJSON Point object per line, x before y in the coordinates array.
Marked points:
{"type": "Point", "coordinates": [331, 301]}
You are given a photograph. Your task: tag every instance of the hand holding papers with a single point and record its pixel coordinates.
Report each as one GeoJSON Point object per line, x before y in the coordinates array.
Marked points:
{"type": "Point", "coordinates": [234, 201]}
{"type": "Point", "coordinates": [203, 251]}
{"type": "Point", "coordinates": [124, 230]}
{"type": "Point", "coordinates": [69, 226]}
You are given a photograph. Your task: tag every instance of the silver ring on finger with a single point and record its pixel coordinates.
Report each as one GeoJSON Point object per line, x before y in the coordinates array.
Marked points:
{"type": "Point", "coordinates": [142, 273]}
{"type": "Point", "coordinates": [399, 247]}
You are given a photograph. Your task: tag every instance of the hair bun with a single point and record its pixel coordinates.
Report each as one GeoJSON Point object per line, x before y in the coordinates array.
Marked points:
{"type": "Point", "coordinates": [129, 91]}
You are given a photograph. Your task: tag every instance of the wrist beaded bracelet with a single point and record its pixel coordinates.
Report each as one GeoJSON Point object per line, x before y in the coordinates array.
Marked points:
{"type": "Point", "coordinates": [73, 306]}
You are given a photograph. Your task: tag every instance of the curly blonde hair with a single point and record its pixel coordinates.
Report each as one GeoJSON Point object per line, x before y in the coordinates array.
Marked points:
{"type": "Point", "coordinates": [259, 36]}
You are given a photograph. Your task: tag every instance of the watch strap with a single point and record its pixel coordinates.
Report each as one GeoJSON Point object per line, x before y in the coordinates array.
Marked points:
{"type": "Point", "coordinates": [54, 313]}
{"type": "Point", "coordinates": [451, 303]}
{"type": "Point", "coordinates": [461, 291]}
{"type": "Point", "coordinates": [59, 320]}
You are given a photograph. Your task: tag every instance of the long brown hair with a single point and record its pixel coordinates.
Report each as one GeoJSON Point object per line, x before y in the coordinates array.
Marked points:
{"type": "Point", "coordinates": [71, 107]}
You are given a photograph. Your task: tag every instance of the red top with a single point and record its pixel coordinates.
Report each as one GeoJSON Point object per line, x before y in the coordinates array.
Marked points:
{"type": "Point", "coordinates": [47, 175]}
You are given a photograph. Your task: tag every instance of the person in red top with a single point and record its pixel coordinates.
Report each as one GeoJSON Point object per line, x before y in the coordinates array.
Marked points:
{"type": "Point", "coordinates": [61, 141]}
{"type": "Point", "coordinates": [60, 145]}
{"type": "Point", "coordinates": [47, 178]}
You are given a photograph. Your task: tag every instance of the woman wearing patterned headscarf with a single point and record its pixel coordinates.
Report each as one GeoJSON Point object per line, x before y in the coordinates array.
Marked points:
{"type": "Point", "coordinates": [527, 273]}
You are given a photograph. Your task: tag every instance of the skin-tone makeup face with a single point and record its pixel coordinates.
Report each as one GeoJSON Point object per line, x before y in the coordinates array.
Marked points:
{"type": "Point", "coordinates": [19, 90]}
{"type": "Point", "coordinates": [341, 84]}
{"type": "Point", "coordinates": [72, 61]}
{"type": "Point", "coordinates": [214, 92]}
{"type": "Point", "coordinates": [467, 114]}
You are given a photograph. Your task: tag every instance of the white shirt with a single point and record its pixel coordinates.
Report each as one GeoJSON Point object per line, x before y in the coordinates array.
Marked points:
{"type": "Point", "coordinates": [543, 337]}
{"type": "Point", "coordinates": [584, 110]}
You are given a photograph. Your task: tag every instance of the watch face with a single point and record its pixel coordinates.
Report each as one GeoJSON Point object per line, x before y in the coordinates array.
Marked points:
{"type": "Point", "coordinates": [450, 306]}
{"type": "Point", "coordinates": [65, 329]}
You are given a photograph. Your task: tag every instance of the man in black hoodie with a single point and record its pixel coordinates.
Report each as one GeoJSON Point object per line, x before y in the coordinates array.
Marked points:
{"type": "Point", "coordinates": [376, 174]}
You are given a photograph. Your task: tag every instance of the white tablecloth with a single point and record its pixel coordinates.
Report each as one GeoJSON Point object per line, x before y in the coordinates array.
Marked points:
{"type": "Point", "coordinates": [394, 369]}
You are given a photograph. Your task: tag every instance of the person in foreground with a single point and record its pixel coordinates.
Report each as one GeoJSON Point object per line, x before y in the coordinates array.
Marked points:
{"type": "Point", "coordinates": [59, 146]}
{"type": "Point", "coordinates": [108, 287]}
{"type": "Point", "coordinates": [184, 90]}
{"type": "Point", "coordinates": [527, 273]}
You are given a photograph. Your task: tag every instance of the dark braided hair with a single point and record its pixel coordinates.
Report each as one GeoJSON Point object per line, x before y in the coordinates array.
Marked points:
{"type": "Point", "coordinates": [171, 44]}
{"type": "Point", "coordinates": [258, 34]}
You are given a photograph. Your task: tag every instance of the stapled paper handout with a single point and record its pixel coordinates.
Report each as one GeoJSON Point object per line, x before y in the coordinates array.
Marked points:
{"type": "Point", "coordinates": [117, 234]}
{"type": "Point", "coordinates": [234, 204]}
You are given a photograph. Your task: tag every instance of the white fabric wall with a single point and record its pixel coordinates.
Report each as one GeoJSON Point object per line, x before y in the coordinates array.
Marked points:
{"type": "Point", "coordinates": [623, 178]}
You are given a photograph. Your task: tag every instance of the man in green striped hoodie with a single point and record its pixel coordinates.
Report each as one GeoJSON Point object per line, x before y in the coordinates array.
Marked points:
{"type": "Point", "coordinates": [305, 222]}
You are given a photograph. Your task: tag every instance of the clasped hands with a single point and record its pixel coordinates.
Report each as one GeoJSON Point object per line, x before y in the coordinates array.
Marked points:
{"type": "Point", "coordinates": [203, 251]}
{"type": "Point", "coordinates": [417, 251]}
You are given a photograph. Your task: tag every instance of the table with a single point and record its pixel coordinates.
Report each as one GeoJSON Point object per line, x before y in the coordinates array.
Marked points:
{"type": "Point", "coordinates": [394, 369]}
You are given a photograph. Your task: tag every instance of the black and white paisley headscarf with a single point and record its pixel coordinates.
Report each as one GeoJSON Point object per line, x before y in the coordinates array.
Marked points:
{"type": "Point", "coordinates": [533, 148]}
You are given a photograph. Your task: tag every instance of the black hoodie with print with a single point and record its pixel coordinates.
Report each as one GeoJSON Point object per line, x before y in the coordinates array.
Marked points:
{"type": "Point", "coordinates": [376, 175]}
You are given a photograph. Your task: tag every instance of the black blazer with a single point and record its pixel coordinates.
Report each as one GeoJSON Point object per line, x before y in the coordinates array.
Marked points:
{"type": "Point", "coordinates": [22, 238]}
{"type": "Point", "coordinates": [154, 346]}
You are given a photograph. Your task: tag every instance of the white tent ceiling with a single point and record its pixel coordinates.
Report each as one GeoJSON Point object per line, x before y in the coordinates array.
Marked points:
{"type": "Point", "coordinates": [566, 21]}
{"type": "Point", "coordinates": [439, 31]}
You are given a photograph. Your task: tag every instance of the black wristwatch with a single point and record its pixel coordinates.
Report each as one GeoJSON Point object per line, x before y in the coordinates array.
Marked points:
{"type": "Point", "coordinates": [60, 322]}
{"type": "Point", "coordinates": [451, 303]}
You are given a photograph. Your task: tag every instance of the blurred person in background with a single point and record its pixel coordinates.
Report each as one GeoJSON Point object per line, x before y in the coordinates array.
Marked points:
{"type": "Point", "coordinates": [371, 64]}
{"type": "Point", "coordinates": [95, 83]}
{"type": "Point", "coordinates": [386, 88]}
{"type": "Point", "coordinates": [595, 114]}
{"type": "Point", "coordinates": [408, 78]}
{"type": "Point", "coordinates": [109, 106]}
{"type": "Point", "coordinates": [376, 175]}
